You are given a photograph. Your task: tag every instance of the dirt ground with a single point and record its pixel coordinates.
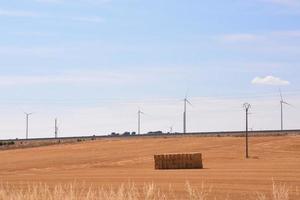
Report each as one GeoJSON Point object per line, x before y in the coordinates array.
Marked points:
{"type": "Point", "coordinates": [116, 161]}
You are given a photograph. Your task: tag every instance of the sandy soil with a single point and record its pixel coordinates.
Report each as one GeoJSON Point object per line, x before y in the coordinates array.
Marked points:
{"type": "Point", "coordinates": [115, 161]}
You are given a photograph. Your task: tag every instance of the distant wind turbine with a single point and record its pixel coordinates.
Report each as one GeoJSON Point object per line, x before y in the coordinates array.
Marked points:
{"type": "Point", "coordinates": [27, 119]}
{"type": "Point", "coordinates": [139, 121]}
{"type": "Point", "coordinates": [282, 102]}
{"type": "Point", "coordinates": [171, 130]}
{"type": "Point", "coordinates": [55, 128]}
{"type": "Point", "coordinates": [186, 101]}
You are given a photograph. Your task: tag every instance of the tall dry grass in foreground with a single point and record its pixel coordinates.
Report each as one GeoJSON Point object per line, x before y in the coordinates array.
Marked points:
{"type": "Point", "coordinates": [129, 191]}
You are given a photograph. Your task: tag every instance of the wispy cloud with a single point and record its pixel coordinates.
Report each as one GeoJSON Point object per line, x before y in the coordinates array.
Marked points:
{"type": "Point", "coordinates": [88, 19]}
{"type": "Point", "coordinates": [17, 13]}
{"type": "Point", "coordinates": [20, 13]}
{"type": "Point", "coordinates": [263, 36]}
{"type": "Point", "coordinates": [94, 77]}
{"type": "Point", "coordinates": [49, 1]}
{"type": "Point", "coordinates": [290, 3]}
{"type": "Point", "coordinates": [76, 1]}
{"type": "Point", "coordinates": [270, 80]}
{"type": "Point", "coordinates": [240, 37]}
{"type": "Point", "coordinates": [68, 78]}
{"type": "Point", "coordinates": [287, 33]}
{"type": "Point", "coordinates": [33, 33]}
{"type": "Point", "coordinates": [280, 42]}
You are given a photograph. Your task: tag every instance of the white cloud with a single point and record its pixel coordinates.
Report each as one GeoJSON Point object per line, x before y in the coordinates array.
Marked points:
{"type": "Point", "coordinates": [270, 80]}
{"type": "Point", "coordinates": [17, 13]}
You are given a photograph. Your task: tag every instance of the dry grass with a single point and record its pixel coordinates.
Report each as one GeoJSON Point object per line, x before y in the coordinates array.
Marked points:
{"type": "Point", "coordinates": [76, 191]}
{"type": "Point", "coordinates": [129, 191]}
{"type": "Point", "coordinates": [201, 193]}
{"type": "Point", "coordinates": [280, 191]}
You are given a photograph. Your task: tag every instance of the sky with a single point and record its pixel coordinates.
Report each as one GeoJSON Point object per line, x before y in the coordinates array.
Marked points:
{"type": "Point", "coordinates": [93, 63]}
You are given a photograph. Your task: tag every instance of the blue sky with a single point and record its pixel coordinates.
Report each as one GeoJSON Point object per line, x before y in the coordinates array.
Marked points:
{"type": "Point", "coordinates": [84, 61]}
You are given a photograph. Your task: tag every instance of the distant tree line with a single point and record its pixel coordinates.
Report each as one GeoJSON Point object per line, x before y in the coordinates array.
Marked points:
{"type": "Point", "coordinates": [2, 143]}
{"type": "Point", "coordinates": [127, 133]}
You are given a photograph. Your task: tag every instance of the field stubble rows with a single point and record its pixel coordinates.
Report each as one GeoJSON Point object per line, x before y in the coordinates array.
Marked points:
{"type": "Point", "coordinates": [115, 161]}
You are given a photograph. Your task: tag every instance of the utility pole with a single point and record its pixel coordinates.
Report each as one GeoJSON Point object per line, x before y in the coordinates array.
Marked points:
{"type": "Point", "coordinates": [247, 106]}
{"type": "Point", "coordinates": [171, 129]}
{"type": "Point", "coordinates": [27, 122]}
{"type": "Point", "coordinates": [55, 128]}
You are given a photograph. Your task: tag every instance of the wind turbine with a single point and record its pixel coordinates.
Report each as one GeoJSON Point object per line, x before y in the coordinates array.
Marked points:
{"type": "Point", "coordinates": [139, 121]}
{"type": "Point", "coordinates": [282, 102]}
{"type": "Point", "coordinates": [171, 129]}
{"type": "Point", "coordinates": [186, 101]}
{"type": "Point", "coordinates": [27, 119]}
{"type": "Point", "coordinates": [55, 128]}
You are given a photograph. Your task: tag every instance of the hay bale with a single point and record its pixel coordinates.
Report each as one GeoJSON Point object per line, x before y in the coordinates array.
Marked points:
{"type": "Point", "coordinates": [178, 161]}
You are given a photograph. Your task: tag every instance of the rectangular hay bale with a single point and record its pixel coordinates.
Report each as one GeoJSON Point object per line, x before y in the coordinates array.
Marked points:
{"type": "Point", "coordinates": [178, 161]}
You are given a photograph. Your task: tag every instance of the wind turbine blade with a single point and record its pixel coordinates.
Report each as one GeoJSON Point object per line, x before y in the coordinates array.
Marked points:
{"type": "Point", "coordinates": [28, 113]}
{"type": "Point", "coordinates": [280, 94]}
{"type": "Point", "coordinates": [287, 103]}
{"type": "Point", "coordinates": [189, 102]}
{"type": "Point", "coordinates": [141, 112]}
{"type": "Point", "coordinates": [186, 93]}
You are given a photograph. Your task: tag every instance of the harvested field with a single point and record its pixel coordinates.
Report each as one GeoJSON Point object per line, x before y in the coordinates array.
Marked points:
{"type": "Point", "coordinates": [115, 161]}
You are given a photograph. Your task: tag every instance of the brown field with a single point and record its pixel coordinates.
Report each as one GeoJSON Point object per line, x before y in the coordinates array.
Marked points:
{"type": "Point", "coordinates": [121, 160]}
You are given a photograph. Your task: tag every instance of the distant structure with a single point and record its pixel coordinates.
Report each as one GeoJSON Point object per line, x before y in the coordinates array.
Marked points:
{"type": "Point", "coordinates": [171, 129]}
{"type": "Point", "coordinates": [139, 121]}
{"type": "Point", "coordinates": [281, 109]}
{"type": "Point", "coordinates": [55, 128]}
{"type": "Point", "coordinates": [247, 106]}
{"type": "Point", "coordinates": [27, 122]}
{"type": "Point", "coordinates": [186, 101]}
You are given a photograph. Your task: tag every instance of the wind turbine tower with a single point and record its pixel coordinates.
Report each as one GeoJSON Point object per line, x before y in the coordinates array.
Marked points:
{"type": "Point", "coordinates": [27, 122]}
{"type": "Point", "coordinates": [139, 121]}
{"type": "Point", "coordinates": [186, 101]}
{"type": "Point", "coordinates": [282, 102]}
{"type": "Point", "coordinates": [55, 128]}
